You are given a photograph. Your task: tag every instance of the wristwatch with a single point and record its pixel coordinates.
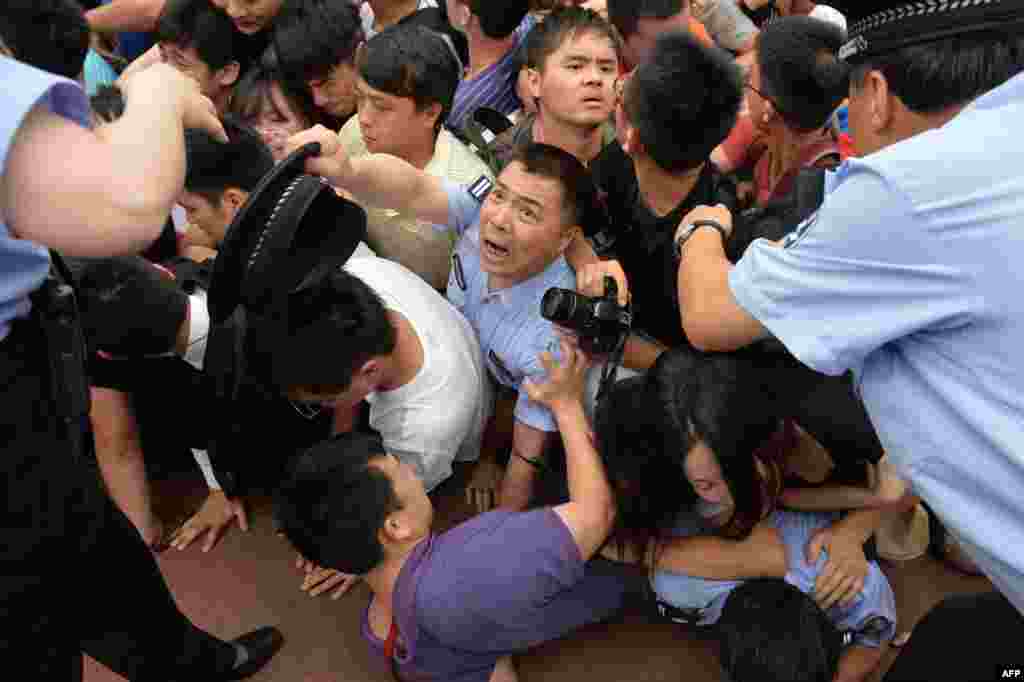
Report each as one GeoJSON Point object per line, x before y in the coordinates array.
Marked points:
{"type": "Point", "coordinates": [693, 227]}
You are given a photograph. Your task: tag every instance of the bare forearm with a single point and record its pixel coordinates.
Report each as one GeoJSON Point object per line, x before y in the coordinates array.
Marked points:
{"type": "Point", "coordinates": [829, 498]}
{"type": "Point", "coordinates": [119, 455]}
{"type": "Point", "coordinates": [124, 473]}
{"type": "Point", "coordinates": [703, 282]}
{"type": "Point", "coordinates": [589, 491]}
{"type": "Point", "coordinates": [761, 554]}
{"type": "Point", "coordinates": [857, 662]}
{"type": "Point", "coordinates": [125, 15]}
{"type": "Point", "coordinates": [587, 482]}
{"type": "Point", "coordinates": [388, 181]}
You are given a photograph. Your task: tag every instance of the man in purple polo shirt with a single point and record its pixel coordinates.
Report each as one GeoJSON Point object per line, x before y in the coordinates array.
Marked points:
{"type": "Point", "coordinates": [457, 606]}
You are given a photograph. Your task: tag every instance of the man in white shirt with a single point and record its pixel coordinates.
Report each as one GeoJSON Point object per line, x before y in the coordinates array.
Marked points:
{"type": "Point", "coordinates": [374, 331]}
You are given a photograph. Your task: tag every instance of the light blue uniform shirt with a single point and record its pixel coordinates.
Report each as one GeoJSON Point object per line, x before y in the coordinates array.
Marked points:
{"type": "Point", "coordinates": [912, 275]}
{"type": "Point", "coordinates": [508, 322]}
{"type": "Point", "coordinates": [868, 621]}
{"type": "Point", "coordinates": [24, 264]}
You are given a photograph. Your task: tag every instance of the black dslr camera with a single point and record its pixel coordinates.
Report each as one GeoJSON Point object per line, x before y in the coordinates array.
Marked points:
{"type": "Point", "coordinates": [601, 323]}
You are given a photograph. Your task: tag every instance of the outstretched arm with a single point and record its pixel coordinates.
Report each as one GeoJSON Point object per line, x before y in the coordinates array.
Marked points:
{"type": "Point", "coordinates": [377, 179]}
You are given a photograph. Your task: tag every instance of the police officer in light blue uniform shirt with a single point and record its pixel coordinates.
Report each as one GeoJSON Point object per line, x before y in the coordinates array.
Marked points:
{"type": "Point", "coordinates": [55, 510]}
{"type": "Point", "coordinates": [24, 264]}
{"type": "Point", "coordinates": [508, 322]}
{"type": "Point", "coordinates": [910, 272]}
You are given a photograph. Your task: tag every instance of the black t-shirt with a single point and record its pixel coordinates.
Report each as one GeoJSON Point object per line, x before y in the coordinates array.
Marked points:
{"type": "Point", "coordinates": [644, 241]}
{"type": "Point", "coordinates": [171, 407]}
{"type": "Point", "coordinates": [175, 408]}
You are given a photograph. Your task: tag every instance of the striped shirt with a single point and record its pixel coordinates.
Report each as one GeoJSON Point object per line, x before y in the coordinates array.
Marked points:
{"type": "Point", "coordinates": [508, 321]}
{"type": "Point", "coordinates": [368, 18]}
{"type": "Point", "coordinates": [494, 87]}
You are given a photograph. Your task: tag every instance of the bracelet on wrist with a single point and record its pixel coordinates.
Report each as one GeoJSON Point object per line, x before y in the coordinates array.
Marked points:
{"type": "Point", "coordinates": [684, 236]}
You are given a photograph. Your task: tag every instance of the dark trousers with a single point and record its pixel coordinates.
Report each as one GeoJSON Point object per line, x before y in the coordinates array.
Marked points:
{"type": "Point", "coordinates": [967, 638]}
{"type": "Point", "coordinates": [74, 574]}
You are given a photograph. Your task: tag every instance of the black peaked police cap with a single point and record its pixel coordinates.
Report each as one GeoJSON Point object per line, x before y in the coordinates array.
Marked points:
{"type": "Point", "coordinates": [875, 27]}
{"type": "Point", "coordinates": [293, 230]}
{"type": "Point", "coordinates": [293, 227]}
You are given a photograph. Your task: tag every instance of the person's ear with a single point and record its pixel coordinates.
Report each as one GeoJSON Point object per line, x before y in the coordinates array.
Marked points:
{"type": "Point", "coordinates": [568, 235]}
{"type": "Point", "coordinates": [395, 530]}
{"type": "Point", "coordinates": [533, 80]}
{"type": "Point", "coordinates": [234, 198]}
{"type": "Point", "coordinates": [882, 106]}
{"type": "Point", "coordinates": [227, 75]}
{"type": "Point", "coordinates": [432, 113]}
{"type": "Point", "coordinates": [370, 371]}
{"type": "Point", "coordinates": [631, 143]}
{"type": "Point", "coordinates": [768, 112]}
{"type": "Point", "coordinates": [464, 15]}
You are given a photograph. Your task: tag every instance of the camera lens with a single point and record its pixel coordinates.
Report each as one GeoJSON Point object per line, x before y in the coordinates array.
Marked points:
{"type": "Point", "coordinates": [558, 305]}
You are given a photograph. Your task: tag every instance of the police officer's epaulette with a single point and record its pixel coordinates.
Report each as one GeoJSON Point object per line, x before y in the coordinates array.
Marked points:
{"type": "Point", "coordinates": [480, 188]}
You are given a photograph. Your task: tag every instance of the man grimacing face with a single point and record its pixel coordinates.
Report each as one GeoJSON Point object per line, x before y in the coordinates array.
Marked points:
{"type": "Point", "coordinates": [522, 226]}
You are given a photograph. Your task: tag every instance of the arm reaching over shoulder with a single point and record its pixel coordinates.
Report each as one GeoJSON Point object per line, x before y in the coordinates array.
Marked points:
{"type": "Point", "coordinates": [711, 317]}
{"type": "Point", "coordinates": [377, 179]}
{"type": "Point", "coordinates": [100, 193]}
{"type": "Point", "coordinates": [590, 512]}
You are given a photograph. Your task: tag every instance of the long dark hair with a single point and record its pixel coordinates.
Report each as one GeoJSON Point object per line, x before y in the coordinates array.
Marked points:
{"type": "Point", "coordinates": [646, 427]}
{"type": "Point", "coordinates": [254, 86]}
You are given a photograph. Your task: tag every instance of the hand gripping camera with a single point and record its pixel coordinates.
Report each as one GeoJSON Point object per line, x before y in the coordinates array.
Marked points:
{"type": "Point", "coordinates": [601, 323]}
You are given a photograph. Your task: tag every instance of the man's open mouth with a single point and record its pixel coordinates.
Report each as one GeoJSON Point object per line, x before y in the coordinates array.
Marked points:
{"type": "Point", "coordinates": [494, 250]}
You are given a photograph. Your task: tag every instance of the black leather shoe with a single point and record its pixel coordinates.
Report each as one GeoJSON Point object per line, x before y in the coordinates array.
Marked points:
{"type": "Point", "coordinates": [261, 644]}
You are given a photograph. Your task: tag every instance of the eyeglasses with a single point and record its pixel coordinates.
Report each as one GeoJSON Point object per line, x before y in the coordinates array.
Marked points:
{"type": "Point", "coordinates": [306, 410]}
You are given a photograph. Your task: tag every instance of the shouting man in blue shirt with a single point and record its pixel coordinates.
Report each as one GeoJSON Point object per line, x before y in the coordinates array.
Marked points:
{"type": "Point", "coordinates": [510, 253]}
{"type": "Point", "coordinates": [908, 275]}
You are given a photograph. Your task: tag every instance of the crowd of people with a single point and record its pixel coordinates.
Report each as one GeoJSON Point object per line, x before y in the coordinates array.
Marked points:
{"type": "Point", "coordinates": [713, 301]}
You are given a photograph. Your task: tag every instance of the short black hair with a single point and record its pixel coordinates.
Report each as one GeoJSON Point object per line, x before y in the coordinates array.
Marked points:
{"type": "Point", "coordinates": [683, 101]}
{"type": "Point", "coordinates": [563, 24]}
{"type": "Point", "coordinates": [51, 35]}
{"type": "Point", "coordinates": [252, 88]}
{"type": "Point", "coordinates": [626, 14]}
{"type": "Point", "coordinates": [933, 77]}
{"type": "Point", "coordinates": [335, 502]}
{"type": "Point", "coordinates": [579, 193]}
{"type": "Point", "coordinates": [108, 103]}
{"type": "Point", "coordinates": [212, 166]}
{"type": "Point", "coordinates": [772, 632]}
{"type": "Point", "coordinates": [200, 25]}
{"type": "Point", "coordinates": [312, 37]}
{"type": "Point", "coordinates": [129, 307]}
{"type": "Point", "coordinates": [499, 18]}
{"type": "Point", "coordinates": [800, 70]}
{"type": "Point", "coordinates": [412, 61]}
{"type": "Point", "coordinates": [334, 327]}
